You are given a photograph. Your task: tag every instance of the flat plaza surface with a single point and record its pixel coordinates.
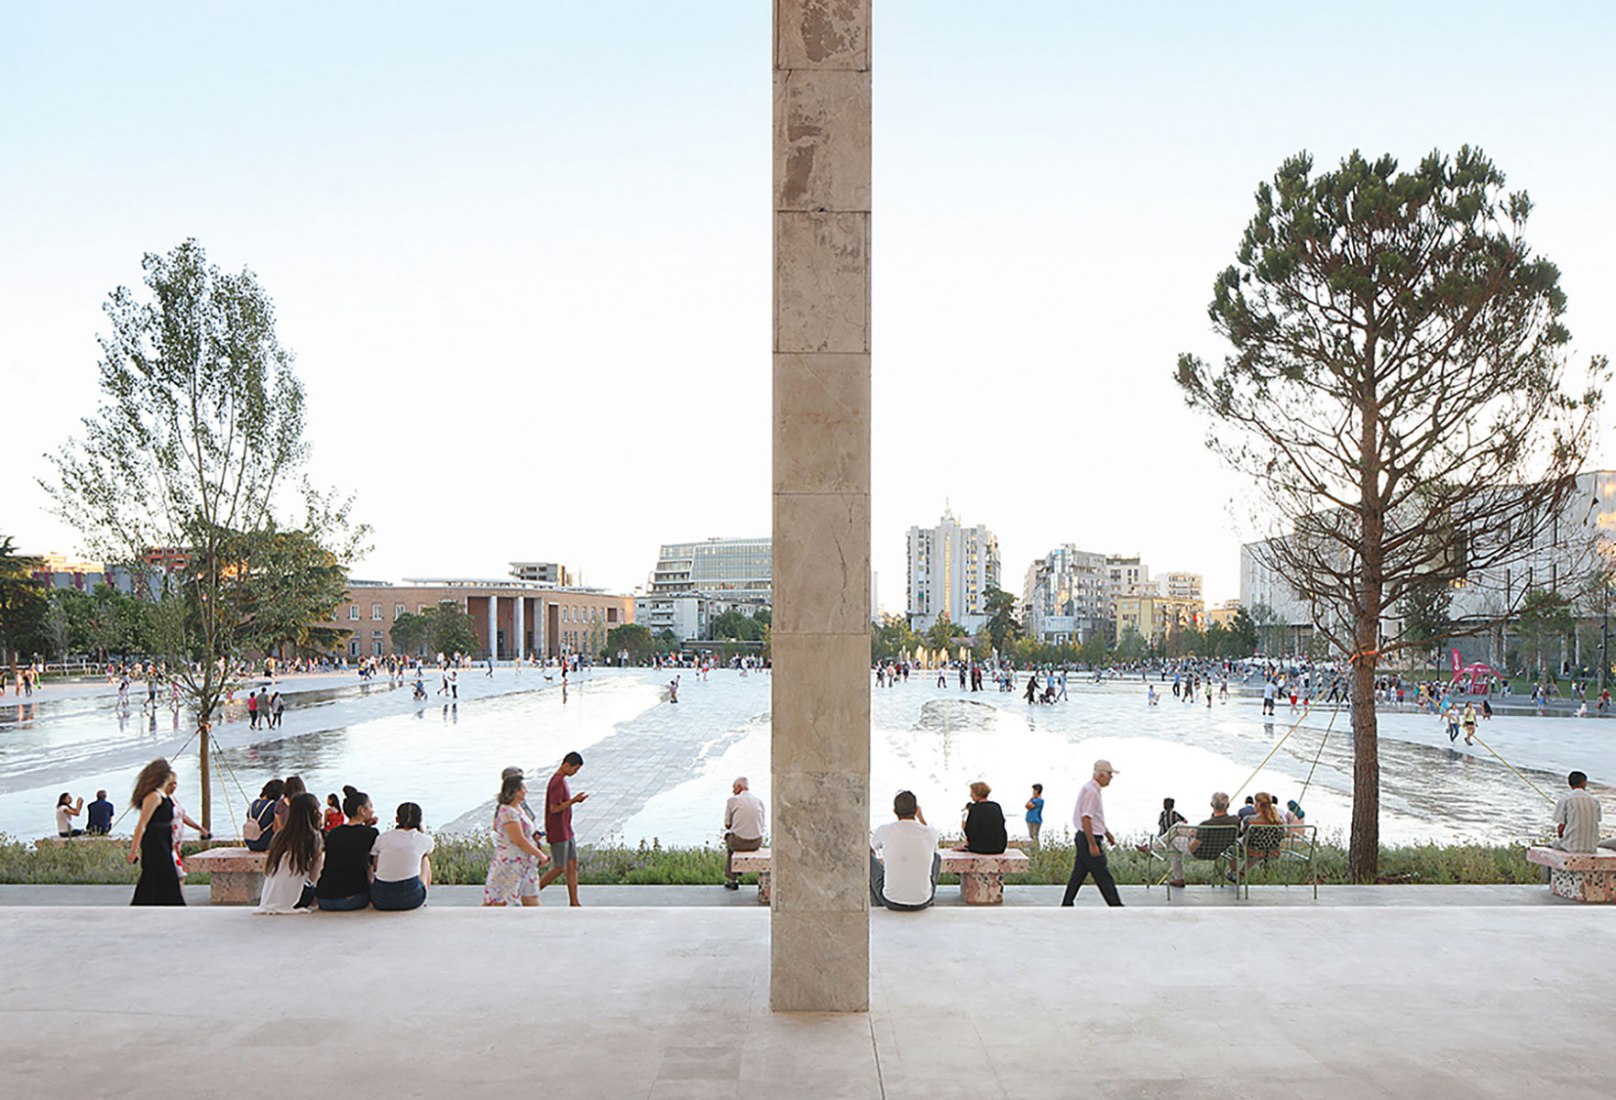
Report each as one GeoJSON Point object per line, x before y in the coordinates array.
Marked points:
{"type": "Point", "coordinates": [660, 771]}
{"type": "Point", "coordinates": [1298, 1000]}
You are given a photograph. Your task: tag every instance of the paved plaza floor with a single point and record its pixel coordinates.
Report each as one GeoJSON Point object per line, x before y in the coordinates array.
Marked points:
{"type": "Point", "coordinates": [1336, 1000]}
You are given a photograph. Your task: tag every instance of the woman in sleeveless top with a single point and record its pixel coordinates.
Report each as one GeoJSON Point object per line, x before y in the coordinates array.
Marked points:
{"type": "Point", "coordinates": [153, 843]}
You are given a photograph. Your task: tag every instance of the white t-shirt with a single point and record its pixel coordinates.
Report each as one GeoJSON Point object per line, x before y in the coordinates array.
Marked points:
{"type": "Point", "coordinates": [398, 854]}
{"type": "Point", "coordinates": [64, 820]}
{"type": "Point", "coordinates": [906, 847]}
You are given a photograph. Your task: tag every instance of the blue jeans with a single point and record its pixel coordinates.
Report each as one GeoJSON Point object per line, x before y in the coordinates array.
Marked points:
{"type": "Point", "coordinates": [398, 896]}
{"type": "Point", "coordinates": [344, 905]}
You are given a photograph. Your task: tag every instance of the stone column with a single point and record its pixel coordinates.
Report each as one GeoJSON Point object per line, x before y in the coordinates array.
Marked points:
{"type": "Point", "coordinates": [819, 923]}
{"type": "Point", "coordinates": [493, 625]}
{"type": "Point", "coordinates": [520, 627]}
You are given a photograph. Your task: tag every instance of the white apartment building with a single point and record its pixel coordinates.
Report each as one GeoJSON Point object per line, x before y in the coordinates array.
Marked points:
{"type": "Point", "coordinates": [1560, 559]}
{"type": "Point", "coordinates": [951, 568]}
{"type": "Point", "coordinates": [1067, 596]}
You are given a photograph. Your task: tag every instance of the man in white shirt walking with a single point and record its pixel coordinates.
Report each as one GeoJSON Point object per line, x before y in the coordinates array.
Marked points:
{"type": "Point", "coordinates": [905, 874]}
{"type": "Point", "coordinates": [743, 828]}
{"type": "Point", "coordinates": [1576, 817]}
{"type": "Point", "coordinates": [1089, 819]}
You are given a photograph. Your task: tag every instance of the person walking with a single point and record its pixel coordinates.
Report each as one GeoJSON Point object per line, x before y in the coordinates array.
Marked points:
{"type": "Point", "coordinates": [743, 828]}
{"type": "Point", "coordinates": [513, 873]}
{"type": "Point", "coordinates": [558, 803]}
{"type": "Point", "coordinates": [153, 843]}
{"type": "Point", "coordinates": [1089, 819]}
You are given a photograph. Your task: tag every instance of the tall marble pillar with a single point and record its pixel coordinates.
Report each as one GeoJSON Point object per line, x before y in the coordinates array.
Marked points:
{"type": "Point", "coordinates": [493, 626]}
{"type": "Point", "coordinates": [519, 621]}
{"type": "Point", "coordinates": [821, 631]}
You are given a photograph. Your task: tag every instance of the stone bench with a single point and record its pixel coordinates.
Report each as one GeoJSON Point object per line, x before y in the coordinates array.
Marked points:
{"type": "Point", "coordinates": [1579, 876]}
{"type": "Point", "coordinates": [237, 874]}
{"type": "Point", "coordinates": [981, 877]}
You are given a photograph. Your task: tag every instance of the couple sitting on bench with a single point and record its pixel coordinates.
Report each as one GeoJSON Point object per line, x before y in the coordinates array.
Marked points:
{"type": "Point", "coordinates": [1213, 839]}
{"type": "Point", "coordinates": [904, 860]}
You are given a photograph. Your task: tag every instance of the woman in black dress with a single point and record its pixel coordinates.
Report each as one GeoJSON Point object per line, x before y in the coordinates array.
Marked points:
{"type": "Point", "coordinates": [153, 843]}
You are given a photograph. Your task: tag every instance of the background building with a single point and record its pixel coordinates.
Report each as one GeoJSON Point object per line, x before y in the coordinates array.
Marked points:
{"type": "Point", "coordinates": [695, 582]}
{"type": "Point", "coordinates": [511, 620]}
{"type": "Point", "coordinates": [543, 572]}
{"type": "Point", "coordinates": [1570, 557]}
{"type": "Point", "coordinates": [1066, 596]}
{"type": "Point", "coordinates": [951, 568]}
{"type": "Point", "coordinates": [1185, 605]}
{"type": "Point", "coordinates": [59, 571]}
{"type": "Point", "coordinates": [1143, 613]}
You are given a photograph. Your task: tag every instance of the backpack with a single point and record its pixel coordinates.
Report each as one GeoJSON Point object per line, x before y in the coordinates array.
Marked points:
{"type": "Point", "coordinates": [253, 827]}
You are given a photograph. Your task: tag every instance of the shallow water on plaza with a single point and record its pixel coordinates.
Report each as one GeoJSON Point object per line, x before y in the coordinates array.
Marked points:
{"type": "Point", "coordinates": [659, 771]}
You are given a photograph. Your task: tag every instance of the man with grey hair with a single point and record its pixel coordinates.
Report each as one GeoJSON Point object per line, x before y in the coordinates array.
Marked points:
{"type": "Point", "coordinates": [743, 827]}
{"type": "Point", "coordinates": [1216, 835]}
{"type": "Point", "coordinates": [1089, 818]}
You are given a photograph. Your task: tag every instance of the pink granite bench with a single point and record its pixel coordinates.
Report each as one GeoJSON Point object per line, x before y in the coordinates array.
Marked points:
{"type": "Point", "coordinates": [1579, 876]}
{"type": "Point", "coordinates": [981, 877]}
{"type": "Point", "coordinates": [236, 874]}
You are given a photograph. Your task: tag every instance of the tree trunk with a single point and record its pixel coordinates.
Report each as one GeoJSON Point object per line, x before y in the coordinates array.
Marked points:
{"type": "Point", "coordinates": [1363, 850]}
{"type": "Point", "coordinates": [204, 778]}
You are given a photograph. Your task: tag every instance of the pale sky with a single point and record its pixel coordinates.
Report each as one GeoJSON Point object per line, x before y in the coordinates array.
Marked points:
{"type": "Point", "coordinates": [522, 251]}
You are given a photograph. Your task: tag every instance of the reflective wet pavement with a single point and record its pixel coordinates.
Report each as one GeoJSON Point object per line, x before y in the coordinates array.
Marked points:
{"type": "Point", "coordinates": [661, 771]}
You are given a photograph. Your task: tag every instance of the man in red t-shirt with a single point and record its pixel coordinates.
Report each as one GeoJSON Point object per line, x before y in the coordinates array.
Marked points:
{"type": "Point", "coordinates": [558, 803]}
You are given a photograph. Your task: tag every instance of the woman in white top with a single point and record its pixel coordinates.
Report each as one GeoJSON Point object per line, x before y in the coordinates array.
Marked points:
{"type": "Point", "coordinates": [296, 857]}
{"type": "Point", "coordinates": [403, 871]}
{"type": "Point", "coordinates": [66, 811]}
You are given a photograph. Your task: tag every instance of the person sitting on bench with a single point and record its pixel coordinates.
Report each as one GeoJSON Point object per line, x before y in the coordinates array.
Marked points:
{"type": "Point", "coordinates": [904, 860]}
{"type": "Point", "coordinates": [1216, 835]}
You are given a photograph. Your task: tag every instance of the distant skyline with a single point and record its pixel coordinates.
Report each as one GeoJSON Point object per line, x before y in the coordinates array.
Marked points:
{"type": "Point", "coordinates": [522, 251]}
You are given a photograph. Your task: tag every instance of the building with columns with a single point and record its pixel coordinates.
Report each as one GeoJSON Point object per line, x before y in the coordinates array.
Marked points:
{"type": "Point", "coordinates": [513, 620]}
{"type": "Point", "coordinates": [951, 568]}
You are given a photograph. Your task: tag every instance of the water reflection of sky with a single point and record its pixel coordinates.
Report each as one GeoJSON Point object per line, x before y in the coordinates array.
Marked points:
{"type": "Point", "coordinates": [663, 772]}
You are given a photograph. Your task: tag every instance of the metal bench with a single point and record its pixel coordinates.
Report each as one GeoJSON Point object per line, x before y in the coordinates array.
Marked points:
{"type": "Point", "coordinates": [1578, 876]}
{"type": "Point", "coordinates": [981, 876]}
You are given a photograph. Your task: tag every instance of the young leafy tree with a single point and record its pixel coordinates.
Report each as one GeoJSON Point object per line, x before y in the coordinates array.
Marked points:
{"type": "Point", "coordinates": [292, 586]}
{"type": "Point", "coordinates": [1003, 627]}
{"type": "Point", "coordinates": [941, 635]}
{"type": "Point", "coordinates": [23, 607]}
{"type": "Point", "coordinates": [195, 447]}
{"type": "Point", "coordinates": [1427, 618]}
{"type": "Point", "coordinates": [451, 630]}
{"type": "Point", "coordinates": [1544, 620]}
{"type": "Point", "coordinates": [410, 633]}
{"type": "Point", "coordinates": [635, 638]}
{"type": "Point", "coordinates": [1398, 391]}
{"type": "Point", "coordinates": [1242, 635]}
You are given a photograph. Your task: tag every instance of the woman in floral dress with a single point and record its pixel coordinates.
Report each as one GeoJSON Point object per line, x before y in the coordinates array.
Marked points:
{"type": "Point", "coordinates": [513, 873]}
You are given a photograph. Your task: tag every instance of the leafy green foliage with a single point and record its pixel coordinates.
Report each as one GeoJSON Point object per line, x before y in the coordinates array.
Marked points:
{"type": "Point", "coordinates": [23, 607]}
{"type": "Point", "coordinates": [449, 629]}
{"type": "Point", "coordinates": [634, 638]}
{"type": "Point", "coordinates": [942, 635]}
{"type": "Point", "coordinates": [1397, 388]}
{"type": "Point", "coordinates": [1003, 627]}
{"type": "Point", "coordinates": [193, 451]}
{"type": "Point", "coordinates": [735, 627]}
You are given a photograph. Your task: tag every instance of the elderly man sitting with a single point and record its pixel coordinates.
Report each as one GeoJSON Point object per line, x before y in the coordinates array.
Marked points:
{"type": "Point", "coordinates": [743, 827]}
{"type": "Point", "coordinates": [1215, 836]}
